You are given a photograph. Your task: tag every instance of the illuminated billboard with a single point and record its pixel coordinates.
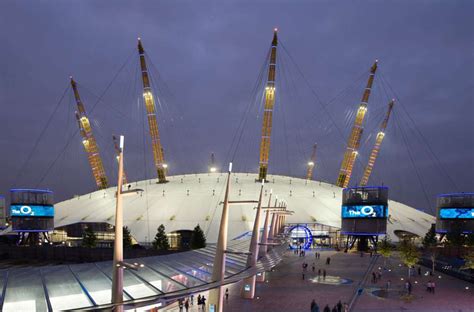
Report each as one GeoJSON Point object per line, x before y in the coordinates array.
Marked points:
{"type": "Point", "coordinates": [364, 211]}
{"type": "Point", "coordinates": [31, 211]}
{"type": "Point", "coordinates": [456, 213]}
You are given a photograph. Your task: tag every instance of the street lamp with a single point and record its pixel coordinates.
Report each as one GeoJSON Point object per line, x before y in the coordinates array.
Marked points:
{"type": "Point", "coordinates": [118, 264]}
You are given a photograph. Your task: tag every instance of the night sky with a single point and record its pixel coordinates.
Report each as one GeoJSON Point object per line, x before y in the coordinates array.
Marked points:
{"type": "Point", "coordinates": [205, 61]}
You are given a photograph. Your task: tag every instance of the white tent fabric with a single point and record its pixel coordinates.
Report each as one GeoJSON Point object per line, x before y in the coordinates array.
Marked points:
{"type": "Point", "coordinates": [188, 200]}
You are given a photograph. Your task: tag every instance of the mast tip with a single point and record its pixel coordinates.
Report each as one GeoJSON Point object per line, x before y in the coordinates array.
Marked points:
{"type": "Point", "coordinates": [275, 29]}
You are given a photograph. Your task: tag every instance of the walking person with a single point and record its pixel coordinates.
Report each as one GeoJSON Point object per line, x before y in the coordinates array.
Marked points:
{"type": "Point", "coordinates": [433, 286]}
{"type": "Point", "coordinates": [319, 272]}
{"type": "Point", "coordinates": [199, 301]}
{"type": "Point", "coordinates": [180, 304]}
{"type": "Point", "coordinates": [302, 275]}
{"type": "Point", "coordinates": [346, 307]}
{"type": "Point", "coordinates": [328, 261]}
{"type": "Point", "coordinates": [324, 274]}
{"type": "Point", "coordinates": [313, 267]}
{"type": "Point", "coordinates": [203, 302]}
{"type": "Point", "coordinates": [227, 294]}
{"type": "Point", "coordinates": [339, 306]}
{"type": "Point", "coordinates": [186, 305]}
{"type": "Point", "coordinates": [327, 308]}
{"type": "Point", "coordinates": [192, 299]}
{"type": "Point", "coordinates": [314, 306]}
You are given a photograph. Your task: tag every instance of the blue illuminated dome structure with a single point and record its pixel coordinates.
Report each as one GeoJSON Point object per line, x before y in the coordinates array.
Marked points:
{"type": "Point", "coordinates": [32, 214]}
{"type": "Point", "coordinates": [300, 235]}
{"type": "Point", "coordinates": [455, 212]}
{"type": "Point", "coordinates": [364, 214]}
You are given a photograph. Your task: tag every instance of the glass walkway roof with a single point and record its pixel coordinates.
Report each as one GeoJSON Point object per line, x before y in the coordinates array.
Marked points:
{"type": "Point", "coordinates": [87, 286]}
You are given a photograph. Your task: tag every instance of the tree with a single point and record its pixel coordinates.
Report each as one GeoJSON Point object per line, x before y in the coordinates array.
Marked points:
{"type": "Point", "coordinates": [409, 253]}
{"type": "Point", "coordinates": [455, 237]}
{"type": "Point", "coordinates": [127, 237]}
{"type": "Point", "coordinates": [385, 249]}
{"type": "Point", "coordinates": [161, 240]}
{"type": "Point", "coordinates": [89, 238]}
{"type": "Point", "coordinates": [429, 243]}
{"type": "Point", "coordinates": [470, 239]}
{"type": "Point", "coordinates": [198, 239]}
{"type": "Point", "coordinates": [469, 264]}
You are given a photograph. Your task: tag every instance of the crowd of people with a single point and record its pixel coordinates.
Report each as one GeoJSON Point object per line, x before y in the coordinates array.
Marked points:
{"type": "Point", "coordinates": [321, 272]}
{"type": "Point", "coordinates": [187, 302]}
{"type": "Point", "coordinates": [339, 307]}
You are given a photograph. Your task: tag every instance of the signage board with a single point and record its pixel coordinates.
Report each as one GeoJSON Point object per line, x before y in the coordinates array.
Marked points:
{"type": "Point", "coordinates": [364, 211]}
{"type": "Point", "coordinates": [456, 213]}
{"type": "Point", "coordinates": [31, 211]}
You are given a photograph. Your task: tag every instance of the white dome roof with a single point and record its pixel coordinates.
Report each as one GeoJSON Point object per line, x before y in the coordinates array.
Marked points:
{"type": "Point", "coordinates": [187, 200]}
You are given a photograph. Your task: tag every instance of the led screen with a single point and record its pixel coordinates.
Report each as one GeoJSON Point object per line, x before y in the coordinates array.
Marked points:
{"type": "Point", "coordinates": [365, 211]}
{"type": "Point", "coordinates": [456, 213]}
{"type": "Point", "coordinates": [31, 211]}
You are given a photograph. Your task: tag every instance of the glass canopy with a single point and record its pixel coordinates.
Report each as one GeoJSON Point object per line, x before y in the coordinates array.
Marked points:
{"type": "Point", "coordinates": [87, 286]}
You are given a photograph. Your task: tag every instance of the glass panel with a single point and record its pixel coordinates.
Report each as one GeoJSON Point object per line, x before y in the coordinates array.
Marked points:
{"type": "Point", "coordinates": [63, 290]}
{"type": "Point", "coordinates": [2, 282]}
{"type": "Point", "coordinates": [24, 291]}
{"type": "Point", "coordinates": [131, 284]}
{"type": "Point", "coordinates": [154, 262]}
{"type": "Point", "coordinates": [199, 271]}
{"type": "Point", "coordinates": [97, 284]}
{"type": "Point", "coordinates": [161, 282]}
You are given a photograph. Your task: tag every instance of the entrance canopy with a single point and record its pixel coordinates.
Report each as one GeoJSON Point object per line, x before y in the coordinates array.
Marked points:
{"type": "Point", "coordinates": [88, 286]}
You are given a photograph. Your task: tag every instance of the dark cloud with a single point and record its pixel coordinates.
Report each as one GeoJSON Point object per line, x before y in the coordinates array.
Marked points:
{"type": "Point", "coordinates": [209, 55]}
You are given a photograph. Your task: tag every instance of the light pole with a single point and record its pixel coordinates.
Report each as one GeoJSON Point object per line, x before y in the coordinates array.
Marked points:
{"type": "Point", "coordinates": [118, 264]}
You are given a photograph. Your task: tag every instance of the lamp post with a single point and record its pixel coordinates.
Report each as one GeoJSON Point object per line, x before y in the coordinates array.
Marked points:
{"type": "Point", "coordinates": [118, 264]}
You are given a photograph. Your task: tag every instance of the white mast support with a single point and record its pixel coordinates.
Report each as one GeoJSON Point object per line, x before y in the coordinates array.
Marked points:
{"type": "Point", "coordinates": [248, 285]}
{"type": "Point", "coordinates": [117, 277]}
{"type": "Point", "coordinates": [216, 295]}
{"type": "Point", "coordinates": [264, 241]}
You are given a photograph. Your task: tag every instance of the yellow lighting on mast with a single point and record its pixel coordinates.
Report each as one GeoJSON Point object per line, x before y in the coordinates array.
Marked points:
{"type": "Point", "coordinates": [158, 155]}
{"type": "Point", "coordinates": [354, 139]}
{"type": "Point", "coordinates": [376, 148]}
{"type": "Point", "coordinates": [268, 111]}
{"type": "Point", "coordinates": [89, 142]}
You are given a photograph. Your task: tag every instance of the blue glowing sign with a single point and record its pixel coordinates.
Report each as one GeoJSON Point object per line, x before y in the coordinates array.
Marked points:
{"type": "Point", "coordinates": [31, 211]}
{"type": "Point", "coordinates": [456, 213]}
{"type": "Point", "coordinates": [308, 235]}
{"type": "Point", "coordinates": [367, 211]}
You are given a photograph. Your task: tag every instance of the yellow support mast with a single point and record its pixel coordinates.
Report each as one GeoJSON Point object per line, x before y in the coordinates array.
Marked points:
{"type": "Point", "coordinates": [158, 155]}
{"type": "Point", "coordinates": [268, 111]}
{"type": "Point", "coordinates": [356, 134]}
{"type": "Point", "coordinates": [376, 149]}
{"type": "Point", "coordinates": [117, 151]}
{"type": "Point", "coordinates": [311, 164]}
{"type": "Point", "coordinates": [89, 142]}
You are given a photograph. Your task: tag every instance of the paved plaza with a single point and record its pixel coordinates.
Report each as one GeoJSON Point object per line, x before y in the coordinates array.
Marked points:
{"type": "Point", "coordinates": [285, 289]}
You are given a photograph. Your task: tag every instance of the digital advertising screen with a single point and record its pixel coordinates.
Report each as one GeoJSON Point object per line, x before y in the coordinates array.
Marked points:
{"type": "Point", "coordinates": [456, 213]}
{"type": "Point", "coordinates": [31, 211]}
{"type": "Point", "coordinates": [364, 211]}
